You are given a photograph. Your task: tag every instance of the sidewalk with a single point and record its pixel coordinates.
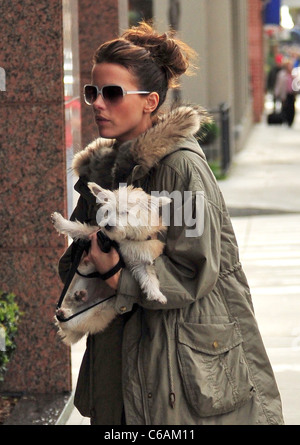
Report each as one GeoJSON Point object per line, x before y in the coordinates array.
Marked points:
{"type": "Point", "coordinates": [262, 193]}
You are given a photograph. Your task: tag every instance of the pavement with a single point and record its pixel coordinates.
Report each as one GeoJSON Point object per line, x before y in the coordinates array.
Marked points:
{"type": "Point", "coordinates": [262, 192]}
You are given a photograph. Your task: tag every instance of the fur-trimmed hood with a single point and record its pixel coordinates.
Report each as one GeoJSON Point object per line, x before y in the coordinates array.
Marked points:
{"type": "Point", "coordinates": [107, 163]}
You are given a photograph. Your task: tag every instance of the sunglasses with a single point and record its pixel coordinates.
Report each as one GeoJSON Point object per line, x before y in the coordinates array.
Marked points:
{"type": "Point", "coordinates": [110, 93]}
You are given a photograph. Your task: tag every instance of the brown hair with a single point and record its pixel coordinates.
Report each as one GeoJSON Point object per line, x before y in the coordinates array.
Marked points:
{"type": "Point", "coordinates": [156, 60]}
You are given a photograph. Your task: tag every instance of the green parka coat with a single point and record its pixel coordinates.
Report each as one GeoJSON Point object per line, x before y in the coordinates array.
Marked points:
{"type": "Point", "coordinates": [199, 359]}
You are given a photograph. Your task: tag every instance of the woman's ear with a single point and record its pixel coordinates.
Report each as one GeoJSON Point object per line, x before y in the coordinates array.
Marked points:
{"type": "Point", "coordinates": [151, 102]}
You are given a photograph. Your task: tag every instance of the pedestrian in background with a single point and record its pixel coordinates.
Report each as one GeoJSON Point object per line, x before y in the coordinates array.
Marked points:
{"type": "Point", "coordinates": [272, 77]}
{"type": "Point", "coordinates": [284, 92]}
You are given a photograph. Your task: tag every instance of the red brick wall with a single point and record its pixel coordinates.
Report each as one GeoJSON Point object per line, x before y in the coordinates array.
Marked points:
{"type": "Point", "coordinates": [256, 56]}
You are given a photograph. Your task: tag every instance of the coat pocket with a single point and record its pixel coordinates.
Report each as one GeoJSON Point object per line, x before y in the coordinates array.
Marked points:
{"type": "Point", "coordinates": [214, 372]}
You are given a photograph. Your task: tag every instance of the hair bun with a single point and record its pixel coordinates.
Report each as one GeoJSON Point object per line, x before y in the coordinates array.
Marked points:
{"type": "Point", "coordinates": [170, 53]}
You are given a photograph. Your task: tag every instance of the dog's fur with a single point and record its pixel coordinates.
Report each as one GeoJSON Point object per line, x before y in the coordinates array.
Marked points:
{"type": "Point", "coordinates": [133, 234]}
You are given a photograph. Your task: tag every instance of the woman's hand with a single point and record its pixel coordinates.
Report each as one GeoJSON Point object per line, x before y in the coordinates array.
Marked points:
{"type": "Point", "coordinates": [104, 261]}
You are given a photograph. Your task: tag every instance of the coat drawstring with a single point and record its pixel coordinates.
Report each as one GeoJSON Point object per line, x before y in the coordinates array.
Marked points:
{"type": "Point", "coordinates": [172, 397]}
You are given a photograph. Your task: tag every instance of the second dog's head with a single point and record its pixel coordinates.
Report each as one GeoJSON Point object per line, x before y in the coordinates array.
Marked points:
{"type": "Point", "coordinates": [128, 212]}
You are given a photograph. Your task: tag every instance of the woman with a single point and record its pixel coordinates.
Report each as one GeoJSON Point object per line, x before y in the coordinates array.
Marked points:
{"type": "Point", "coordinates": [198, 359]}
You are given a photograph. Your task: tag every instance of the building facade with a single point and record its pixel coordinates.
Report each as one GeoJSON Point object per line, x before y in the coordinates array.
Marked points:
{"type": "Point", "coordinates": [46, 52]}
{"type": "Point", "coordinates": [222, 33]}
{"type": "Point", "coordinates": [46, 60]}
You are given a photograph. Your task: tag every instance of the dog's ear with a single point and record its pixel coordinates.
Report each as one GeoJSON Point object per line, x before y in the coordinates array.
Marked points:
{"type": "Point", "coordinates": [94, 188]}
{"type": "Point", "coordinates": [101, 194]}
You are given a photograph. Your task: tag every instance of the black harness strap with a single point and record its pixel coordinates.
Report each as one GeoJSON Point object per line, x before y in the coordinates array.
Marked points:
{"type": "Point", "coordinates": [106, 275]}
{"type": "Point", "coordinates": [81, 246]}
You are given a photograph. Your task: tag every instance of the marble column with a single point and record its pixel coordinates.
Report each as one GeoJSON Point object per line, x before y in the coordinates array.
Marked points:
{"type": "Point", "coordinates": [33, 184]}
{"type": "Point", "coordinates": [98, 22]}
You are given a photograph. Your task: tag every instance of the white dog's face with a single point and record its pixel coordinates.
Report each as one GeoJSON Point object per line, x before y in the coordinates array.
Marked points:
{"type": "Point", "coordinates": [128, 212]}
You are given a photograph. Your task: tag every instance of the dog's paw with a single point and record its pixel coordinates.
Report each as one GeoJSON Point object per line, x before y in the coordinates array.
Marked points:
{"type": "Point", "coordinates": [55, 217]}
{"type": "Point", "coordinates": [58, 221]}
{"type": "Point", "coordinates": [157, 296]}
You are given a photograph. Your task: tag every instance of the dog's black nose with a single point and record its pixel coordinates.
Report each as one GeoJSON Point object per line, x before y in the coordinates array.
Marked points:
{"type": "Point", "coordinates": [108, 227]}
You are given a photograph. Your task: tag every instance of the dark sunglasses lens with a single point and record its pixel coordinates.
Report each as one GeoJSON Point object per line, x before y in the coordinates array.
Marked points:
{"type": "Point", "coordinates": [112, 93]}
{"type": "Point", "coordinates": [90, 93]}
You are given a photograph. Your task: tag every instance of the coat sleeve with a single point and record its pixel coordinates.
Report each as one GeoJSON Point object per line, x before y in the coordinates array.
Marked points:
{"type": "Point", "coordinates": [189, 267]}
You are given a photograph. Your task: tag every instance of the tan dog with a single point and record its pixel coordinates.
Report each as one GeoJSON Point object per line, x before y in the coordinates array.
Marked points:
{"type": "Point", "coordinates": [132, 218]}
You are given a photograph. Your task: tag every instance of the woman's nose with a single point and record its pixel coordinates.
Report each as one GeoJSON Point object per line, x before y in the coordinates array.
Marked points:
{"type": "Point", "coordinates": [99, 102]}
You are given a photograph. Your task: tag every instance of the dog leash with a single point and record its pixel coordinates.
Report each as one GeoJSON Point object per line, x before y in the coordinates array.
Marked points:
{"type": "Point", "coordinates": [105, 245]}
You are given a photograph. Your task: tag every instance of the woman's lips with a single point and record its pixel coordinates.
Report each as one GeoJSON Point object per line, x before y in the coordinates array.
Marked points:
{"type": "Point", "coordinates": [100, 119]}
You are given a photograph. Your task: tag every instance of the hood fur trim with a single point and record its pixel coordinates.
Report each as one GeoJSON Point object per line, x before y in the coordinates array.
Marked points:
{"type": "Point", "coordinates": [165, 137]}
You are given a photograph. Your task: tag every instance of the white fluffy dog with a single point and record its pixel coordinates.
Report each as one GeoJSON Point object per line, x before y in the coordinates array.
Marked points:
{"type": "Point", "coordinates": [130, 217]}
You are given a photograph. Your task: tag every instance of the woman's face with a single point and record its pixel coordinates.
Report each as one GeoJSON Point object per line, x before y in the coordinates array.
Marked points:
{"type": "Point", "coordinates": [127, 118]}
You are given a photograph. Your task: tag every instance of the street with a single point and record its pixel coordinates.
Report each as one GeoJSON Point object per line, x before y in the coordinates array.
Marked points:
{"type": "Point", "coordinates": [264, 189]}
